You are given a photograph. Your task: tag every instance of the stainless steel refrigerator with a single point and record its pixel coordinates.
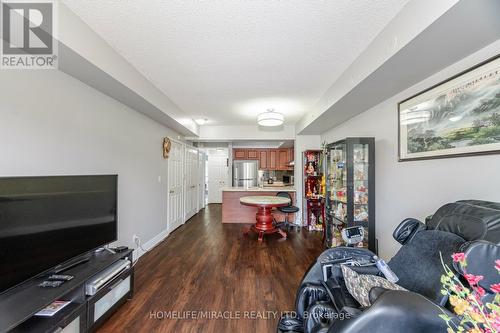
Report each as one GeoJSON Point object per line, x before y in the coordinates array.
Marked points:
{"type": "Point", "coordinates": [245, 173]}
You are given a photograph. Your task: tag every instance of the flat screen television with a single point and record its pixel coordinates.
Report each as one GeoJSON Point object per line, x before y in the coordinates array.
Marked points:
{"type": "Point", "coordinates": [46, 221]}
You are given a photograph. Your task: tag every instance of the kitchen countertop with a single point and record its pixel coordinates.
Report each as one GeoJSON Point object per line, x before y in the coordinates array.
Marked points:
{"type": "Point", "coordinates": [260, 189]}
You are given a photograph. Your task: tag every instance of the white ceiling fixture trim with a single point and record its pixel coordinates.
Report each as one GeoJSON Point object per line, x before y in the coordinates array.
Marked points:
{"type": "Point", "coordinates": [270, 118]}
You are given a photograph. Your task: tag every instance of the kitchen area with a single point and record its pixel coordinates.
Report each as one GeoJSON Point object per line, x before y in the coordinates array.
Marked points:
{"type": "Point", "coordinates": [257, 172]}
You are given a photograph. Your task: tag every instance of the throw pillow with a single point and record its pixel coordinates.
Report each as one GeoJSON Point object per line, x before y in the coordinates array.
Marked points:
{"type": "Point", "coordinates": [359, 285]}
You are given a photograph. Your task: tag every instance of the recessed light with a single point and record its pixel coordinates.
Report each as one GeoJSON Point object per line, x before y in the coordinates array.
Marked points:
{"type": "Point", "coordinates": [201, 121]}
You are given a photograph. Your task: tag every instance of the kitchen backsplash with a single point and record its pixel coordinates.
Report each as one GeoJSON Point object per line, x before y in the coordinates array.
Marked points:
{"type": "Point", "coordinates": [276, 175]}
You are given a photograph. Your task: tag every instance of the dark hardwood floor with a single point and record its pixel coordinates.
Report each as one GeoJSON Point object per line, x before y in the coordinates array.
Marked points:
{"type": "Point", "coordinates": [207, 267]}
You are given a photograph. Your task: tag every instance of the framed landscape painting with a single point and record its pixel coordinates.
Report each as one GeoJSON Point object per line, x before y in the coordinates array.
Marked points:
{"type": "Point", "coordinates": [457, 117]}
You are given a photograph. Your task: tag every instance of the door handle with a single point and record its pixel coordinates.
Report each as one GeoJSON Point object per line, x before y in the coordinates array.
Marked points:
{"type": "Point", "coordinates": [171, 191]}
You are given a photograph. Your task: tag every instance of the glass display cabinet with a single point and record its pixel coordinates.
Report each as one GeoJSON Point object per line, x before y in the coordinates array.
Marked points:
{"type": "Point", "coordinates": [350, 190]}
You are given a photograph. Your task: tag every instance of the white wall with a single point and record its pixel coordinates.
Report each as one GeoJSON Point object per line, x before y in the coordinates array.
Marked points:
{"type": "Point", "coordinates": [52, 124]}
{"type": "Point", "coordinates": [410, 21]}
{"type": "Point", "coordinates": [302, 143]}
{"type": "Point", "coordinates": [78, 36]}
{"type": "Point", "coordinates": [417, 189]}
{"type": "Point", "coordinates": [233, 132]}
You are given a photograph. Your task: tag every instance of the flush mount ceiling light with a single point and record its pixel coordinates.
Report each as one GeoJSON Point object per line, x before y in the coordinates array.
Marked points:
{"type": "Point", "coordinates": [270, 118]}
{"type": "Point", "coordinates": [201, 121]}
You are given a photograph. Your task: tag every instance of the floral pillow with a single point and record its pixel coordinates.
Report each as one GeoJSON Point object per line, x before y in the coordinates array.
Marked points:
{"type": "Point", "coordinates": [359, 285]}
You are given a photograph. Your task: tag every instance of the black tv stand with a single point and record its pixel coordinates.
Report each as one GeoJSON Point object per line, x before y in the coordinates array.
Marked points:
{"type": "Point", "coordinates": [84, 314]}
{"type": "Point", "coordinates": [64, 267]}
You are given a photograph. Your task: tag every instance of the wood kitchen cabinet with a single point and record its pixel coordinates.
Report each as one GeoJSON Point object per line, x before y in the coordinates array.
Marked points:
{"type": "Point", "coordinates": [272, 163]}
{"type": "Point", "coordinates": [263, 159]}
{"type": "Point", "coordinates": [252, 154]}
{"type": "Point", "coordinates": [269, 159]}
{"type": "Point", "coordinates": [283, 159]}
{"type": "Point", "coordinates": [240, 154]}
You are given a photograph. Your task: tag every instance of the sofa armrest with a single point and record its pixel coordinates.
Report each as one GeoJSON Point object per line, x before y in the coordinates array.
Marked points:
{"type": "Point", "coordinates": [405, 231]}
{"type": "Point", "coordinates": [334, 256]}
{"type": "Point", "coordinates": [396, 311]}
{"type": "Point", "coordinates": [343, 253]}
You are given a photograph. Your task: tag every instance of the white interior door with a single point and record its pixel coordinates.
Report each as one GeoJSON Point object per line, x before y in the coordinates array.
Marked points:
{"type": "Point", "coordinates": [192, 180]}
{"type": "Point", "coordinates": [175, 207]}
{"type": "Point", "coordinates": [201, 180]}
{"type": "Point", "coordinates": [218, 175]}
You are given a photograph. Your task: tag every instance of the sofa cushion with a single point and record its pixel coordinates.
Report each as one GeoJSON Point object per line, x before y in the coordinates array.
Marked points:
{"type": "Point", "coordinates": [418, 264]}
{"type": "Point", "coordinates": [359, 285]}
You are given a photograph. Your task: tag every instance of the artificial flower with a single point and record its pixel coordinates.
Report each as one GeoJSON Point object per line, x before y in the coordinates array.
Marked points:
{"type": "Point", "coordinates": [477, 314]}
{"type": "Point", "coordinates": [478, 317]}
{"type": "Point", "coordinates": [458, 257]}
{"type": "Point", "coordinates": [461, 307]}
{"type": "Point", "coordinates": [495, 288]}
{"type": "Point", "coordinates": [480, 291]}
{"type": "Point", "coordinates": [473, 279]}
{"type": "Point", "coordinates": [454, 300]}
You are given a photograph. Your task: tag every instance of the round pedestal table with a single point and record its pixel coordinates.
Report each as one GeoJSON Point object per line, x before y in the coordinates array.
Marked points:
{"type": "Point", "coordinates": [264, 217]}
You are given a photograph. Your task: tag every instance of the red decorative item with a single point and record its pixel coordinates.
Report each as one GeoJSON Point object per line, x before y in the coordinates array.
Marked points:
{"type": "Point", "coordinates": [313, 208]}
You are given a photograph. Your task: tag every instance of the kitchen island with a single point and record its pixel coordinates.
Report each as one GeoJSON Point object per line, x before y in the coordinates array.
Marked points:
{"type": "Point", "coordinates": [234, 212]}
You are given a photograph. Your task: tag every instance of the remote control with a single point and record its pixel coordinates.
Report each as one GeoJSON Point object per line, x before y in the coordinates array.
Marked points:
{"type": "Point", "coordinates": [121, 249]}
{"type": "Point", "coordinates": [61, 277]}
{"type": "Point", "coordinates": [50, 284]}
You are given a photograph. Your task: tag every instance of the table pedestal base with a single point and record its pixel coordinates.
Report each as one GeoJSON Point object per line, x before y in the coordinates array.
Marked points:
{"type": "Point", "coordinates": [264, 224]}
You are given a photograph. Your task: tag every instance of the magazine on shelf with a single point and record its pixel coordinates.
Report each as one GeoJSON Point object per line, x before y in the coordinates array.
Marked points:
{"type": "Point", "coordinates": [52, 309]}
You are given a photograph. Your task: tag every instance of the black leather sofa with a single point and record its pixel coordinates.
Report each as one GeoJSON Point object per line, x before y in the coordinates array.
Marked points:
{"type": "Point", "coordinates": [469, 226]}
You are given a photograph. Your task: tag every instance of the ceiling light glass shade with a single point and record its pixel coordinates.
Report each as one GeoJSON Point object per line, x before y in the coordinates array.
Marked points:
{"type": "Point", "coordinates": [270, 118]}
{"type": "Point", "coordinates": [409, 117]}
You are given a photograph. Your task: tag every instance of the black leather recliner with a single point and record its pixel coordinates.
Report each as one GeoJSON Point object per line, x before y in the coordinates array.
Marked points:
{"type": "Point", "coordinates": [469, 226]}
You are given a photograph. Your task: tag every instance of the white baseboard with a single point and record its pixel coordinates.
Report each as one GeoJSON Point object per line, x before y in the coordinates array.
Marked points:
{"type": "Point", "coordinates": [150, 244]}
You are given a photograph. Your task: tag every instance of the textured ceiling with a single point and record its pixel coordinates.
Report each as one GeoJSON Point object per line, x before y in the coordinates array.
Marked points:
{"type": "Point", "coordinates": [228, 60]}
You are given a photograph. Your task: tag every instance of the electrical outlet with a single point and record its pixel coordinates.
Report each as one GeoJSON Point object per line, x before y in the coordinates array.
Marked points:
{"type": "Point", "coordinates": [136, 239]}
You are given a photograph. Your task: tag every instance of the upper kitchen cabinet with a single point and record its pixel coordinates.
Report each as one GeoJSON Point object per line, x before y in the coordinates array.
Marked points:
{"type": "Point", "coordinates": [252, 154]}
{"type": "Point", "coordinates": [263, 157]}
{"type": "Point", "coordinates": [245, 154]}
{"type": "Point", "coordinates": [240, 154]}
{"type": "Point", "coordinates": [283, 159]}
{"type": "Point", "coordinates": [272, 160]}
{"type": "Point", "coordinates": [269, 159]}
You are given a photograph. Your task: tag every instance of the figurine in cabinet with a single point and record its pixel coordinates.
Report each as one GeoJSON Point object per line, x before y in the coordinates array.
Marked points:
{"type": "Point", "coordinates": [311, 169]}
{"type": "Point", "coordinates": [360, 214]}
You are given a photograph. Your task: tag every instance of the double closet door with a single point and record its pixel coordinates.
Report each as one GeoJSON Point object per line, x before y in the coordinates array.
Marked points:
{"type": "Point", "coordinates": [186, 185]}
